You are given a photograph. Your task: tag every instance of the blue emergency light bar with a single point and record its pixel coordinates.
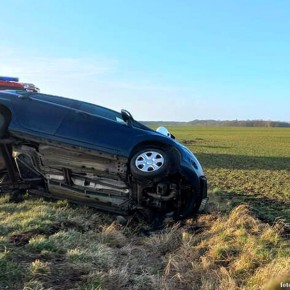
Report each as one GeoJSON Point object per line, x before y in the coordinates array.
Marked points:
{"type": "Point", "coordinates": [9, 79]}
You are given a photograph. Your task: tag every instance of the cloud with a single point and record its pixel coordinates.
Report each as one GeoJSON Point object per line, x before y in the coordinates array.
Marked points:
{"type": "Point", "coordinates": [103, 82]}
{"type": "Point", "coordinates": [25, 66]}
{"type": "Point", "coordinates": [91, 79]}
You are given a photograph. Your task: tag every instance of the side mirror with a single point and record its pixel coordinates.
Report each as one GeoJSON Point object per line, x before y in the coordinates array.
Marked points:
{"type": "Point", "coordinates": [126, 116]}
{"type": "Point", "coordinates": [165, 132]}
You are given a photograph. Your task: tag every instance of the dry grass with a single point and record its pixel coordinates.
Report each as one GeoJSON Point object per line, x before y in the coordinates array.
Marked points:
{"type": "Point", "coordinates": [68, 250]}
{"type": "Point", "coordinates": [237, 252]}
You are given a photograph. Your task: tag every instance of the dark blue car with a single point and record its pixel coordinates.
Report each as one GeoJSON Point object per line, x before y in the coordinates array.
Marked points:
{"type": "Point", "coordinates": [88, 154]}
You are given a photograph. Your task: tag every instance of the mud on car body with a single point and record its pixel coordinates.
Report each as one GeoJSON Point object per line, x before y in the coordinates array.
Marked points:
{"type": "Point", "coordinates": [68, 149]}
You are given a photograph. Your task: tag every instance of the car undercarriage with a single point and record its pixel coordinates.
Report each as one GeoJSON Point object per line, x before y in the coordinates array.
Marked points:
{"type": "Point", "coordinates": [83, 176]}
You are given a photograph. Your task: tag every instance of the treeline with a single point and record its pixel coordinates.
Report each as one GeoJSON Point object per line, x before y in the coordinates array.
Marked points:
{"type": "Point", "coordinates": [216, 123]}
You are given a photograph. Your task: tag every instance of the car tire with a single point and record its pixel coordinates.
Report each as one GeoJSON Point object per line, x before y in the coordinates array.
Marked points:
{"type": "Point", "coordinates": [17, 195]}
{"type": "Point", "coordinates": [4, 122]}
{"type": "Point", "coordinates": [150, 163]}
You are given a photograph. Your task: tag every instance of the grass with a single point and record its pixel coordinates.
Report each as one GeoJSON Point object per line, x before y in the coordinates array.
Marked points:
{"type": "Point", "coordinates": [242, 243]}
{"type": "Point", "coordinates": [245, 165]}
{"type": "Point", "coordinates": [234, 253]}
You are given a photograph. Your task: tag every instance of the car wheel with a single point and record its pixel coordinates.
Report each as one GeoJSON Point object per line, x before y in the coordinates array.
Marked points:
{"type": "Point", "coordinates": [17, 195]}
{"type": "Point", "coordinates": [150, 163]}
{"type": "Point", "coordinates": [4, 121]}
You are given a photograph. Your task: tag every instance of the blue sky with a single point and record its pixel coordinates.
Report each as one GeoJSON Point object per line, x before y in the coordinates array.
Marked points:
{"type": "Point", "coordinates": [162, 60]}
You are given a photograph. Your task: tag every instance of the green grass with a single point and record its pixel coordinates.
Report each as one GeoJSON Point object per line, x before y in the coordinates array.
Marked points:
{"type": "Point", "coordinates": [240, 244]}
{"type": "Point", "coordinates": [245, 165]}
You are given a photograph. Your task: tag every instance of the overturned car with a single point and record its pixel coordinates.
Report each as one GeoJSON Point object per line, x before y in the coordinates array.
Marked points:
{"type": "Point", "coordinates": [68, 149]}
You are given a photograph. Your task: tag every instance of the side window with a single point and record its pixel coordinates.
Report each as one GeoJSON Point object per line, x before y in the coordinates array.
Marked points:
{"type": "Point", "coordinates": [88, 108]}
{"type": "Point", "coordinates": [57, 100]}
{"type": "Point", "coordinates": [102, 112]}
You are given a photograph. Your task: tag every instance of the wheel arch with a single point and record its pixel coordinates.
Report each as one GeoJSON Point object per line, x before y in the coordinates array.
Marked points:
{"type": "Point", "coordinates": [7, 115]}
{"type": "Point", "coordinates": [5, 110]}
{"type": "Point", "coordinates": [154, 144]}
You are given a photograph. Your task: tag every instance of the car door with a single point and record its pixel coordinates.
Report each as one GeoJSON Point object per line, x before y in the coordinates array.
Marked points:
{"type": "Point", "coordinates": [97, 128]}
{"type": "Point", "coordinates": [39, 113]}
